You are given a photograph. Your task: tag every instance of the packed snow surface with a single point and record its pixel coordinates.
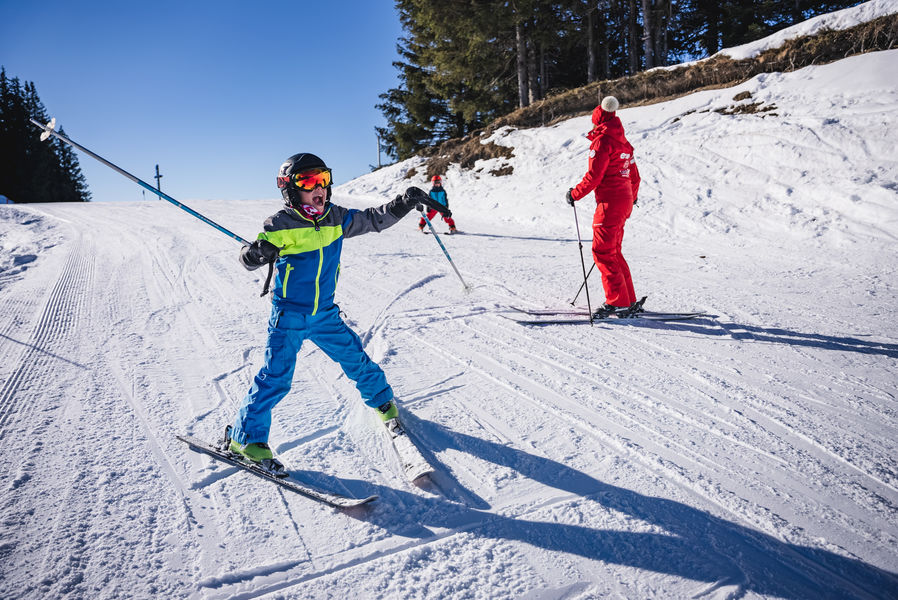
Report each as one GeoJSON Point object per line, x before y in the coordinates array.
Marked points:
{"type": "Point", "coordinates": [752, 454]}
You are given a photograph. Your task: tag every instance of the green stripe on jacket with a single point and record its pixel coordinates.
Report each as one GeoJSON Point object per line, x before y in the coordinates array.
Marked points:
{"type": "Point", "coordinates": [302, 239]}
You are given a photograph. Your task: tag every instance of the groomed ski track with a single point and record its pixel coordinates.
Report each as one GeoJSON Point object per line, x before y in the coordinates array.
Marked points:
{"type": "Point", "coordinates": [748, 456]}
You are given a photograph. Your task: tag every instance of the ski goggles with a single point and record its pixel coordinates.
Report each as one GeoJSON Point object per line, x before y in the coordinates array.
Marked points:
{"type": "Point", "coordinates": [307, 180]}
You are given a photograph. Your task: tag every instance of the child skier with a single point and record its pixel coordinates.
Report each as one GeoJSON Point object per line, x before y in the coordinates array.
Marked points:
{"type": "Point", "coordinates": [304, 241]}
{"type": "Point", "coordinates": [438, 194]}
{"type": "Point", "coordinates": [613, 175]}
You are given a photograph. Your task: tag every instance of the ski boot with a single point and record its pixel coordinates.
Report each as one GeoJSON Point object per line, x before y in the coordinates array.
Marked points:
{"type": "Point", "coordinates": [388, 411]}
{"type": "Point", "coordinates": [453, 231]}
{"type": "Point", "coordinates": [257, 453]}
{"type": "Point", "coordinates": [636, 307]}
{"type": "Point", "coordinates": [606, 310]}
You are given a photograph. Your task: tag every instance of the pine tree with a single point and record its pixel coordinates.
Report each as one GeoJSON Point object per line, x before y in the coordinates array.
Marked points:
{"type": "Point", "coordinates": [32, 170]}
{"type": "Point", "coordinates": [413, 113]}
{"type": "Point", "coordinates": [466, 62]}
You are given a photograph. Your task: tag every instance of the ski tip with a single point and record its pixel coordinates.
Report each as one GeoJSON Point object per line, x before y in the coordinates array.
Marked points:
{"type": "Point", "coordinates": [353, 502]}
{"type": "Point", "coordinates": [421, 476]}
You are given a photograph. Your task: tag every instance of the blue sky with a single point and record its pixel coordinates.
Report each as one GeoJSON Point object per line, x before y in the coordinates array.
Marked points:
{"type": "Point", "coordinates": [216, 93]}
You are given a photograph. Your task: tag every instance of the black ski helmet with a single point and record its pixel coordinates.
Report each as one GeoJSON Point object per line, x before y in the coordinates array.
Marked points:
{"type": "Point", "coordinates": [304, 161]}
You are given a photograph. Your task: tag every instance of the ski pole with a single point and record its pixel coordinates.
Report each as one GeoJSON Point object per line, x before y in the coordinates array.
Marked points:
{"type": "Point", "coordinates": [446, 252]}
{"type": "Point", "coordinates": [50, 129]}
{"type": "Point", "coordinates": [582, 263]}
{"type": "Point", "coordinates": [593, 266]}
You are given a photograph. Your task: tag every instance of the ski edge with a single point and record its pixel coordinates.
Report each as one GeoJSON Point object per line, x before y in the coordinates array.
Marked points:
{"type": "Point", "coordinates": [330, 498]}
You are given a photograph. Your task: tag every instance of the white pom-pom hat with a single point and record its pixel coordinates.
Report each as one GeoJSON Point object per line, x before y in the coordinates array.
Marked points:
{"type": "Point", "coordinates": [610, 104]}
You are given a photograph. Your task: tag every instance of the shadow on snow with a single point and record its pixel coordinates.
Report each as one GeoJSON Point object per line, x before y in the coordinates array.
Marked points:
{"type": "Point", "coordinates": [691, 544]}
{"type": "Point", "coordinates": [779, 335]}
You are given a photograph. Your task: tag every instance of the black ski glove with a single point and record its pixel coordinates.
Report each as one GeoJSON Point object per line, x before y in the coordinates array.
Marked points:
{"type": "Point", "coordinates": [416, 198]}
{"type": "Point", "coordinates": [258, 253]}
{"type": "Point", "coordinates": [569, 198]}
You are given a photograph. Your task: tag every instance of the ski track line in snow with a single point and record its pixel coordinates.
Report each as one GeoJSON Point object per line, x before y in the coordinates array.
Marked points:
{"type": "Point", "coordinates": [624, 445]}
{"type": "Point", "coordinates": [687, 414]}
{"type": "Point", "coordinates": [805, 431]}
{"type": "Point", "coordinates": [197, 520]}
{"type": "Point", "coordinates": [18, 316]}
{"type": "Point", "coordinates": [754, 421]}
{"type": "Point", "coordinates": [378, 320]}
{"type": "Point", "coordinates": [280, 573]}
{"type": "Point", "coordinates": [18, 313]}
{"type": "Point", "coordinates": [767, 406]}
{"type": "Point", "coordinates": [164, 283]}
{"type": "Point", "coordinates": [156, 445]}
{"type": "Point", "coordinates": [763, 404]}
{"type": "Point", "coordinates": [793, 553]}
{"type": "Point", "coordinates": [62, 311]}
{"type": "Point", "coordinates": [518, 347]}
{"type": "Point", "coordinates": [224, 400]}
{"type": "Point", "coordinates": [778, 431]}
{"type": "Point", "coordinates": [575, 415]}
{"type": "Point", "coordinates": [782, 420]}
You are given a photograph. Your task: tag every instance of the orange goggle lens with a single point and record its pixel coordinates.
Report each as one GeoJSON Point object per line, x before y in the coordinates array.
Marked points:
{"type": "Point", "coordinates": [309, 180]}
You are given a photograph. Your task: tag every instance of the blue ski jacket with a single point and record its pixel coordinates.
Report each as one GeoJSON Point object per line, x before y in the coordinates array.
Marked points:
{"type": "Point", "coordinates": [308, 267]}
{"type": "Point", "coordinates": [439, 194]}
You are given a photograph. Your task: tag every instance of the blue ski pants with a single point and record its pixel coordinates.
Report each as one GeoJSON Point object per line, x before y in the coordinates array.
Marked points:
{"type": "Point", "coordinates": [287, 331]}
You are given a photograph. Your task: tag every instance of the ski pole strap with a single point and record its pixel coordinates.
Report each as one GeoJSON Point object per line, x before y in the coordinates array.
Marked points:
{"type": "Point", "coordinates": [267, 287]}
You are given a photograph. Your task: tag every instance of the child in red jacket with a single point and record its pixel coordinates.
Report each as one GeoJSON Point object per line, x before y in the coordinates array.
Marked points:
{"type": "Point", "coordinates": [438, 194]}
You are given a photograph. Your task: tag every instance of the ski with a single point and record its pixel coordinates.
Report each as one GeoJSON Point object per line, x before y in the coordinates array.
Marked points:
{"type": "Point", "coordinates": [636, 312]}
{"type": "Point", "coordinates": [329, 498]}
{"type": "Point", "coordinates": [584, 319]}
{"type": "Point", "coordinates": [646, 314]}
{"type": "Point", "coordinates": [413, 463]}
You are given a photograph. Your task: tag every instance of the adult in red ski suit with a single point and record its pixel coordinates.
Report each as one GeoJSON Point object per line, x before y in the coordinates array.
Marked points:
{"type": "Point", "coordinates": [613, 175]}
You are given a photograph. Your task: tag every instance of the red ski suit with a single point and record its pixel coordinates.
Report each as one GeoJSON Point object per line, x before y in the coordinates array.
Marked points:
{"type": "Point", "coordinates": [612, 173]}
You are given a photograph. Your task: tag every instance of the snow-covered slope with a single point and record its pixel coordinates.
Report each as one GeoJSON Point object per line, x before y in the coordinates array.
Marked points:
{"type": "Point", "coordinates": [750, 455]}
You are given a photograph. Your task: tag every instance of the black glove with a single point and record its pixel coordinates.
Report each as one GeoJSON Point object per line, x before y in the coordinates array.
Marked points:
{"type": "Point", "coordinates": [569, 198]}
{"type": "Point", "coordinates": [417, 197]}
{"type": "Point", "coordinates": [258, 253]}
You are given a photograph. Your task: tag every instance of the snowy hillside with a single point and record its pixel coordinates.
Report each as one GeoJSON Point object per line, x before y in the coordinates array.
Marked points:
{"type": "Point", "coordinates": [749, 455]}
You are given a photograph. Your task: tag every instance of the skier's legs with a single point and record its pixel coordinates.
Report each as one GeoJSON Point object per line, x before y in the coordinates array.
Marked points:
{"type": "Point", "coordinates": [625, 269]}
{"type": "Point", "coordinates": [272, 383]}
{"type": "Point", "coordinates": [343, 346]}
{"type": "Point", "coordinates": [606, 235]}
{"type": "Point", "coordinates": [431, 213]}
{"type": "Point", "coordinates": [450, 222]}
